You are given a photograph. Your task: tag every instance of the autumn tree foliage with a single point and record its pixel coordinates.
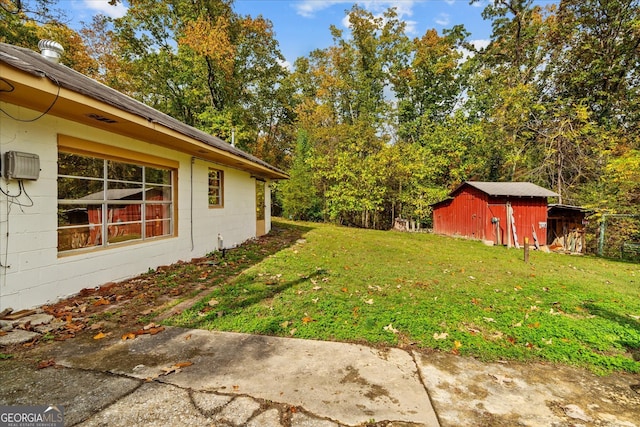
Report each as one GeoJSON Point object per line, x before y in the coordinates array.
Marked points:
{"type": "Point", "coordinates": [381, 124]}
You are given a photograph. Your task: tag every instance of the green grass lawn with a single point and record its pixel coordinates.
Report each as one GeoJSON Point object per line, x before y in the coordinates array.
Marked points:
{"type": "Point", "coordinates": [428, 291]}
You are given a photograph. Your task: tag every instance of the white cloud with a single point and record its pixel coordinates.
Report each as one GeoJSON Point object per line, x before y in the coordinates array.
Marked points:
{"type": "Point", "coordinates": [308, 8]}
{"type": "Point", "coordinates": [443, 19]}
{"type": "Point", "coordinates": [450, 2]}
{"type": "Point", "coordinates": [103, 6]}
{"type": "Point", "coordinates": [478, 44]}
{"type": "Point", "coordinates": [286, 64]}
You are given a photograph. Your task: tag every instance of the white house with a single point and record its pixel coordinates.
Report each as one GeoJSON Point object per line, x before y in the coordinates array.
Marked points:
{"type": "Point", "coordinates": [98, 187]}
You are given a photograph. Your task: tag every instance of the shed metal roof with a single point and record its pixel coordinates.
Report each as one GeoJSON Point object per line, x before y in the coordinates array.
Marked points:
{"type": "Point", "coordinates": [513, 189]}
{"type": "Point", "coordinates": [35, 64]}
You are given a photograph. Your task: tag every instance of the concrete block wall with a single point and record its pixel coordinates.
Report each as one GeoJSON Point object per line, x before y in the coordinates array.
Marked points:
{"type": "Point", "coordinates": [32, 273]}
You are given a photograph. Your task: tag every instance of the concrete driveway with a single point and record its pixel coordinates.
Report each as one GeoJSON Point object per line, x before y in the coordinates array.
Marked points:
{"type": "Point", "coordinates": [194, 378]}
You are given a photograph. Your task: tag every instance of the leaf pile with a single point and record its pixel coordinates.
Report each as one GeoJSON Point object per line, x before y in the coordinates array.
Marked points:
{"type": "Point", "coordinates": [126, 309]}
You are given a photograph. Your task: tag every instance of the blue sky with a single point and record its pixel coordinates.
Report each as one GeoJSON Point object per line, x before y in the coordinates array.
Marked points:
{"type": "Point", "coordinates": [303, 25]}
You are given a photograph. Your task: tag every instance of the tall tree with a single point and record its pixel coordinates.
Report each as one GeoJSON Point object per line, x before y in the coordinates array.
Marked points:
{"type": "Point", "coordinates": [431, 82]}
{"type": "Point", "coordinates": [21, 18]}
{"type": "Point", "coordinates": [597, 58]}
{"type": "Point", "coordinates": [209, 67]}
{"type": "Point", "coordinates": [25, 22]}
{"type": "Point", "coordinates": [506, 86]}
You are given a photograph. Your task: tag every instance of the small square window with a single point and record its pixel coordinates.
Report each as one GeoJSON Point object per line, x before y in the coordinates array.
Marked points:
{"type": "Point", "coordinates": [216, 185]}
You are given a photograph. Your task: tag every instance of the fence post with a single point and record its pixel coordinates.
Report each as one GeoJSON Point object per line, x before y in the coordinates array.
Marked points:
{"type": "Point", "coordinates": [601, 238]}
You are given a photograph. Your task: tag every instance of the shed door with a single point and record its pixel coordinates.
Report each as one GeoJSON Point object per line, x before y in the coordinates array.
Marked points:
{"type": "Point", "coordinates": [260, 208]}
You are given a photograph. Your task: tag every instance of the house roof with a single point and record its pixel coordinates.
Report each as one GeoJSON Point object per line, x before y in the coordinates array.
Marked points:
{"type": "Point", "coordinates": [188, 139]}
{"type": "Point", "coordinates": [513, 189]}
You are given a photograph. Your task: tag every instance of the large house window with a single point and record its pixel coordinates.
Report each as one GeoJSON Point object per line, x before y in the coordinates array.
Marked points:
{"type": "Point", "coordinates": [103, 202]}
{"type": "Point", "coordinates": [216, 185]}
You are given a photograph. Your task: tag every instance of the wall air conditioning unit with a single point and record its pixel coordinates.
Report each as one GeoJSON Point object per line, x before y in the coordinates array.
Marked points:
{"type": "Point", "coordinates": [19, 165]}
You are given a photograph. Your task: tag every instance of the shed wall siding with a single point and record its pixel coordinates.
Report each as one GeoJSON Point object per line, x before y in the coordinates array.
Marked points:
{"type": "Point", "coordinates": [470, 212]}
{"type": "Point", "coordinates": [464, 216]}
{"type": "Point", "coordinates": [32, 273]}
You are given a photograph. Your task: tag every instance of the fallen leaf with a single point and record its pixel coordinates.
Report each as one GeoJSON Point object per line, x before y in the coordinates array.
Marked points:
{"type": "Point", "coordinates": [344, 290]}
{"type": "Point", "coordinates": [292, 331]}
{"type": "Point", "coordinates": [154, 331]}
{"type": "Point", "coordinates": [489, 319]}
{"type": "Point", "coordinates": [306, 319]}
{"type": "Point", "coordinates": [187, 338]}
{"type": "Point", "coordinates": [169, 370]}
{"type": "Point", "coordinates": [390, 328]}
{"type": "Point", "coordinates": [46, 364]}
{"type": "Point", "coordinates": [440, 336]}
{"type": "Point", "coordinates": [457, 344]}
{"type": "Point", "coordinates": [129, 336]}
{"type": "Point", "coordinates": [96, 326]}
{"type": "Point", "coordinates": [213, 302]}
{"type": "Point", "coordinates": [176, 367]}
{"type": "Point", "coordinates": [99, 336]}
{"type": "Point", "coordinates": [149, 326]}
{"type": "Point", "coordinates": [317, 288]}
{"type": "Point", "coordinates": [369, 301]}
{"type": "Point", "coordinates": [101, 301]}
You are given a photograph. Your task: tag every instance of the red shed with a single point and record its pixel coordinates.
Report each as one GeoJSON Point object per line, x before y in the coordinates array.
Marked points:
{"type": "Point", "coordinates": [487, 210]}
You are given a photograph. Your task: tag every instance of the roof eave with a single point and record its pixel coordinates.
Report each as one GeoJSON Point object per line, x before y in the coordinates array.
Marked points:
{"type": "Point", "coordinates": [36, 92]}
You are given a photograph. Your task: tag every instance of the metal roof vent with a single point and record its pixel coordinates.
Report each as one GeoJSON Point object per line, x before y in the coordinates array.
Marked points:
{"type": "Point", "coordinates": [50, 50]}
